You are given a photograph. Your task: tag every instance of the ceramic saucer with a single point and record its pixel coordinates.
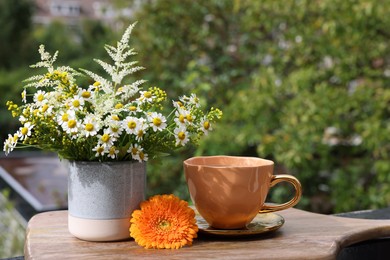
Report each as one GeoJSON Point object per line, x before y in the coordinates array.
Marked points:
{"type": "Point", "coordinates": [262, 223]}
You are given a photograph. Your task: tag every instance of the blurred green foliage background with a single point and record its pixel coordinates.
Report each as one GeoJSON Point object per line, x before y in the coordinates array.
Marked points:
{"type": "Point", "coordinates": [304, 83]}
{"type": "Point", "coordinates": [12, 227]}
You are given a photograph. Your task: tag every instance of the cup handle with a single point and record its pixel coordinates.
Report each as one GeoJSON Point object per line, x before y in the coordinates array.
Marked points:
{"type": "Point", "coordinates": [291, 203]}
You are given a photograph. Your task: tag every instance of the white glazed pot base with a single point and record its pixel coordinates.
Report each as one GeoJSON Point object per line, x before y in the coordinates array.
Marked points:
{"type": "Point", "coordinates": [99, 229]}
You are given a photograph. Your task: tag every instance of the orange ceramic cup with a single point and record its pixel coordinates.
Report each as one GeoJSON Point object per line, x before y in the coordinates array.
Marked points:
{"type": "Point", "coordinates": [229, 191]}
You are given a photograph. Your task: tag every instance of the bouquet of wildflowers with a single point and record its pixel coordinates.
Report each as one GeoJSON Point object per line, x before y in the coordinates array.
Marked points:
{"type": "Point", "coordinates": [109, 120]}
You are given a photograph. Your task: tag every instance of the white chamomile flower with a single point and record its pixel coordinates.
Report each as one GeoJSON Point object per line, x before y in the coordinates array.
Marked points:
{"type": "Point", "coordinates": [181, 136]}
{"type": "Point", "coordinates": [184, 117]}
{"type": "Point", "coordinates": [135, 150]}
{"type": "Point", "coordinates": [72, 127]}
{"type": "Point", "coordinates": [115, 128]}
{"type": "Point", "coordinates": [86, 94]}
{"type": "Point", "coordinates": [134, 109]}
{"type": "Point", "coordinates": [100, 150]}
{"type": "Point", "coordinates": [145, 96]}
{"type": "Point", "coordinates": [95, 87]}
{"type": "Point", "coordinates": [106, 139]}
{"type": "Point", "coordinates": [114, 117]}
{"type": "Point", "coordinates": [194, 100]}
{"type": "Point", "coordinates": [39, 98]}
{"type": "Point", "coordinates": [181, 116]}
{"type": "Point", "coordinates": [157, 121]}
{"type": "Point", "coordinates": [46, 109]}
{"type": "Point", "coordinates": [143, 157]}
{"type": "Point", "coordinates": [64, 116]}
{"type": "Point", "coordinates": [177, 104]}
{"type": "Point", "coordinates": [130, 124]}
{"type": "Point", "coordinates": [190, 118]}
{"type": "Point", "coordinates": [25, 131]}
{"type": "Point", "coordinates": [10, 143]}
{"type": "Point", "coordinates": [120, 91]}
{"type": "Point", "coordinates": [90, 125]}
{"type": "Point", "coordinates": [118, 107]}
{"type": "Point", "coordinates": [141, 129]}
{"type": "Point", "coordinates": [22, 119]}
{"type": "Point", "coordinates": [76, 103]}
{"type": "Point", "coordinates": [112, 152]}
{"type": "Point", "coordinates": [184, 99]}
{"type": "Point", "coordinates": [205, 126]}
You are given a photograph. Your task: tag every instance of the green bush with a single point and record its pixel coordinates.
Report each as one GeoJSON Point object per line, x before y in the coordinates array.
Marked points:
{"type": "Point", "coordinates": [304, 84]}
{"type": "Point", "coordinates": [12, 227]}
{"type": "Point", "coordinates": [15, 20]}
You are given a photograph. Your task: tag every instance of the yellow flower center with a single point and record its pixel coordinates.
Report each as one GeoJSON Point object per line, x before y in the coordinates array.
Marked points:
{"type": "Point", "coordinates": [181, 135]}
{"type": "Point", "coordinates": [65, 117]}
{"type": "Point", "coordinates": [132, 124]}
{"type": "Point", "coordinates": [118, 106]}
{"type": "Point", "coordinates": [44, 108]}
{"type": "Point", "coordinates": [134, 150]}
{"type": "Point", "coordinates": [40, 97]}
{"type": "Point", "coordinates": [206, 125]}
{"type": "Point", "coordinates": [100, 149]}
{"type": "Point", "coordinates": [148, 94]}
{"type": "Point", "coordinates": [132, 108]}
{"type": "Point", "coordinates": [105, 138]}
{"type": "Point", "coordinates": [115, 117]}
{"type": "Point", "coordinates": [140, 133]}
{"type": "Point", "coordinates": [97, 83]}
{"type": "Point", "coordinates": [76, 103]}
{"type": "Point", "coordinates": [114, 128]}
{"type": "Point", "coordinates": [86, 94]}
{"type": "Point", "coordinates": [141, 155]}
{"type": "Point", "coordinates": [189, 118]}
{"type": "Point", "coordinates": [182, 118]}
{"type": "Point", "coordinates": [112, 150]}
{"type": "Point", "coordinates": [24, 130]}
{"type": "Point", "coordinates": [72, 123]}
{"type": "Point", "coordinates": [179, 103]}
{"type": "Point", "coordinates": [157, 121]}
{"type": "Point", "coordinates": [89, 127]}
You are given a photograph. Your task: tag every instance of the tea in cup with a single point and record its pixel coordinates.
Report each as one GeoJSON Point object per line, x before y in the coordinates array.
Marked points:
{"type": "Point", "coordinates": [229, 191]}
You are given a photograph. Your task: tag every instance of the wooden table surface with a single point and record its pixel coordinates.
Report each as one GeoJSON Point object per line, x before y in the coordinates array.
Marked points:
{"type": "Point", "coordinates": [304, 235]}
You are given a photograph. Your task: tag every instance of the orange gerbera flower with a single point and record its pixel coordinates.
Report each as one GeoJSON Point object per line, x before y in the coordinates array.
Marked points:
{"type": "Point", "coordinates": [164, 221]}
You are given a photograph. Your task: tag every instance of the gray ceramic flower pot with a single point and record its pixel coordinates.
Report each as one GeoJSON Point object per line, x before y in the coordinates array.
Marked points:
{"type": "Point", "coordinates": [102, 197]}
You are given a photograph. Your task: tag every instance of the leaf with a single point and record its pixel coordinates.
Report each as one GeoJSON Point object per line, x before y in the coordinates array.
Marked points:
{"type": "Point", "coordinates": [107, 67]}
